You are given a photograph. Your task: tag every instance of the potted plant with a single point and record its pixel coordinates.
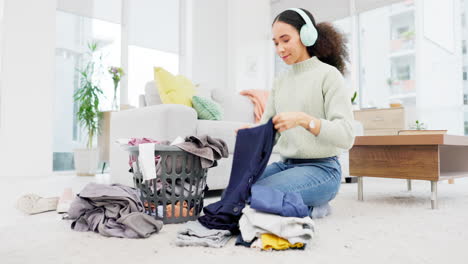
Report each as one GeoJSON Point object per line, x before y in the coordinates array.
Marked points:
{"type": "Point", "coordinates": [418, 126]}
{"type": "Point", "coordinates": [88, 114]}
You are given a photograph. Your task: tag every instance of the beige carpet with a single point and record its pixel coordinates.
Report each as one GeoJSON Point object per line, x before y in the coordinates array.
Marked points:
{"type": "Point", "coordinates": [390, 226]}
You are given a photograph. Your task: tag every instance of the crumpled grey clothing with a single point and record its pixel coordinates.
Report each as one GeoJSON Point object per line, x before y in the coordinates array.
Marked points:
{"type": "Point", "coordinates": [181, 188]}
{"type": "Point", "coordinates": [194, 234]}
{"type": "Point", "coordinates": [112, 210]}
{"type": "Point", "coordinates": [184, 188]}
{"type": "Point", "coordinates": [207, 148]}
{"type": "Point", "coordinates": [178, 165]}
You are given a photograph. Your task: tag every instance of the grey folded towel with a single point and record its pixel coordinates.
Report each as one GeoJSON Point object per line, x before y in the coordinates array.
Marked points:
{"type": "Point", "coordinates": [194, 234]}
{"type": "Point", "coordinates": [207, 148]}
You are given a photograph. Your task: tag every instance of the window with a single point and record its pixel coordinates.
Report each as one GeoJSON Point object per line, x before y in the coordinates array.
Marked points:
{"type": "Point", "coordinates": [73, 32]}
{"type": "Point", "coordinates": [141, 62]}
{"type": "Point", "coordinates": [387, 59]}
{"type": "Point", "coordinates": [464, 37]}
{"type": "Point", "coordinates": [153, 41]}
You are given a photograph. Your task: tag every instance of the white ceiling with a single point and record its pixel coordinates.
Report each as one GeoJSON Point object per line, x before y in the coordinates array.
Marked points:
{"type": "Point", "coordinates": [329, 10]}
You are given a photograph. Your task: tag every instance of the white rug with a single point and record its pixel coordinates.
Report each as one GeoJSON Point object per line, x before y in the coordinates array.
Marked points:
{"type": "Point", "coordinates": [392, 225]}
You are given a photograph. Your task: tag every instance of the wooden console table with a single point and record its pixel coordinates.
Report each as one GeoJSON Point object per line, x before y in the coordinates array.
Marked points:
{"type": "Point", "coordinates": [103, 138]}
{"type": "Point", "coordinates": [413, 157]}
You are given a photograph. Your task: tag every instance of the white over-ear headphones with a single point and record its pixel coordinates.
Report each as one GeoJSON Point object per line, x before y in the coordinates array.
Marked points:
{"type": "Point", "coordinates": [308, 32]}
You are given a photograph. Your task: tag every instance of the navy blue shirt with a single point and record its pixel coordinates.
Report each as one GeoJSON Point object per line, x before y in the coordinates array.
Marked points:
{"type": "Point", "coordinates": [251, 154]}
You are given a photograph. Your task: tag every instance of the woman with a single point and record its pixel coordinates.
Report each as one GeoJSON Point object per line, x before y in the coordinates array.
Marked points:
{"type": "Point", "coordinates": [311, 110]}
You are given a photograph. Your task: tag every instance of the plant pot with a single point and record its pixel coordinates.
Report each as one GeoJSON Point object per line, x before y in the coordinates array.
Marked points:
{"type": "Point", "coordinates": [86, 161]}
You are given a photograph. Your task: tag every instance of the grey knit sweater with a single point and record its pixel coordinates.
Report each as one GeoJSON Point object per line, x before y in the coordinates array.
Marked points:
{"type": "Point", "coordinates": [317, 89]}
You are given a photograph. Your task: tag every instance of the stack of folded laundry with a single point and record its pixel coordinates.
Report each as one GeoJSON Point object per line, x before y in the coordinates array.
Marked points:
{"type": "Point", "coordinates": [275, 221]}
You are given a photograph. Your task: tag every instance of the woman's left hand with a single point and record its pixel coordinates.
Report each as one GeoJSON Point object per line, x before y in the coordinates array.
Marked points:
{"type": "Point", "coordinates": [287, 120]}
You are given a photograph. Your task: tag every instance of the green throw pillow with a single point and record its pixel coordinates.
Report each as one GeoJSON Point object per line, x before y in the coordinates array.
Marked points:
{"type": "Point", "coordinates": [206, 108]}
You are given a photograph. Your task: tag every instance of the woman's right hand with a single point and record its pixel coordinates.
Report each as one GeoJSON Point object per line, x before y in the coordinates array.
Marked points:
{"type": "Point", "coordinates": [242, 127]}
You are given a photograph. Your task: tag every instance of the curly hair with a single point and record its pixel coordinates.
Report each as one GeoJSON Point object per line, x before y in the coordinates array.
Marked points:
{"type": "Point", "coordinates": [330, 46]}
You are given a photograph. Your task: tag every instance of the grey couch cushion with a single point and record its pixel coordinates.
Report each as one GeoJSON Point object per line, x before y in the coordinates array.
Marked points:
{"type": "Point", "coordinates": [236, 107]}
{"type": "Point", "coordinates": [152, 94]}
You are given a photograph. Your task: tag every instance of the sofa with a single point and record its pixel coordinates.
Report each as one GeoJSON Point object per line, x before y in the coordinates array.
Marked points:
{"type": "Point", "coordinates": [167, 121]}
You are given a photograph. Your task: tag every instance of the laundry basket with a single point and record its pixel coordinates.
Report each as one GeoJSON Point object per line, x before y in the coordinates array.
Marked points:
{"type": "Point", "coordinates": [176, 195]}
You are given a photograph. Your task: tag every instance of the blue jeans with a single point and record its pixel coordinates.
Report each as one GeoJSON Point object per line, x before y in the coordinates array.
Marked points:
{"type": "Point", "coordinates": [316, 180]}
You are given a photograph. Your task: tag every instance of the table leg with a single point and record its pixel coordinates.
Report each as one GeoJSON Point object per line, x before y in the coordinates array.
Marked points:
{"type": "Point", "coordinates": [408, 183]}
{"type": "Point", "coordinates": [434, 194]}
{"type": "Point", "coordinates": [360, 189]}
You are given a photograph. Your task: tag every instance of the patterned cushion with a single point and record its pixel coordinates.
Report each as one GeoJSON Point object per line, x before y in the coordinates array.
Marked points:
{"type": "Point", "coordinates": [207, 109]}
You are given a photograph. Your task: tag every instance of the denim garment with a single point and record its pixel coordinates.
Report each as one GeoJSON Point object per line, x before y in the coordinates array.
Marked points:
{"type": "Point", "coordinates": [269, 200]}
{"type": "Point", "coordinates": [251, 154]}
{"type": "Point", "coordinates": [316, 180]}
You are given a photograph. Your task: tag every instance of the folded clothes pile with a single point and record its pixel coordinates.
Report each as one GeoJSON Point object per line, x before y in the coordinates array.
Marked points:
{"type": "Point", "coordinates": [194, 234]}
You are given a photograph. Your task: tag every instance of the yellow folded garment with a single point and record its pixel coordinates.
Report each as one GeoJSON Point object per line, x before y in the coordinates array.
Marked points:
{"type": "Point", "coordinates": [270, 241]}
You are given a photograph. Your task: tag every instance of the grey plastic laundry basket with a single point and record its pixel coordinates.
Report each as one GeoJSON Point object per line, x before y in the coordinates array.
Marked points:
{"type": "Point", "coordinates": [160, 196]}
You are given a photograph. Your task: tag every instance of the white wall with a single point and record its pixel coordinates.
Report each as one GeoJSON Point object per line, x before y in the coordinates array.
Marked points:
{"type": "Point", "coordinates": [2, 33]}
{"type": "Point", "coordinates": [331, 9]}
{"type": "Point", "coordinates": [227, 45]}
{"type": "Point", "coordinates": [186, 38]}
{"type": "Point", "coordinates": [209, 43]}
{"type": "Point", "coordinates": [28, 71]}
{"type": "Point", "coordinates": [439, 87]}
{"type": "Point", "coordinates": [250, 49]}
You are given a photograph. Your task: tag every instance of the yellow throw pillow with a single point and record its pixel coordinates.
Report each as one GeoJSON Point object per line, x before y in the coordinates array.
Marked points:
{"type": "Point", "coordinates": [174, 89]}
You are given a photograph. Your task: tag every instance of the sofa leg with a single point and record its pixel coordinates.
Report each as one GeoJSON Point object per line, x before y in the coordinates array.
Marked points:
{"type": "Point", "coordinates": [408, 183]}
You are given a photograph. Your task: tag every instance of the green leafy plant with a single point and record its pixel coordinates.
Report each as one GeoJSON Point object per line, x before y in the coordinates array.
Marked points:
{"type": "Point", "coordinates": [87, 95]}
{"type": "Point", "coordinates": [353, 98]}
{"type": "Point", "coordinates": [418, 126]}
